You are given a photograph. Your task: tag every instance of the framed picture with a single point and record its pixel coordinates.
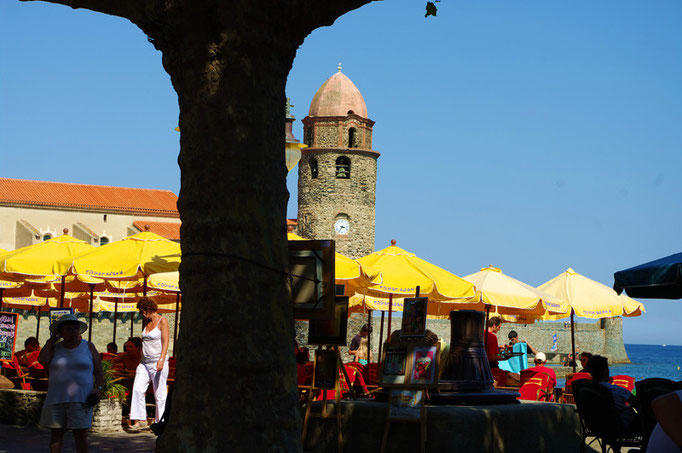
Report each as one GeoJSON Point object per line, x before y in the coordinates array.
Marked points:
{"type": "Point", "coordinates": [311, 265]}
{"type": "Point", "coordinates": [331, 331]}
{"type": "Point", "coordinates": [423, 360]}
{"type": "Point", "coordinates": [414, 317]}
{"type": "Point", "coordinates": [394, 365]}
{"type": "Point", "coordinates": [326, 371]}
{"type": "Point", "coordinates": [405, 404]}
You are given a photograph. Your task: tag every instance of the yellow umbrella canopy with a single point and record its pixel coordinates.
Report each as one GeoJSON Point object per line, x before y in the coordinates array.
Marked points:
{"type": "Point", "coordinates": [165, 281]}
{"type": "Point", "coordinates": [348, 271]}
{"type": "Point", "coordinates": [403, 271]}
{"type": "Point", "coordinates": [30, 302]}
{"type": "Point", "coordinates": [588, 298]}
{"type": "Point", "coordinates": [509, 296]}
{"type": "Point", "coordinates": [41, 259]}
{"type": "Point", "coordinates": [134, 257]}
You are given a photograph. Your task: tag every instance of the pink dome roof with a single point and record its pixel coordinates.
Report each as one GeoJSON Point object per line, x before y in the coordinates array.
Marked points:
{"type": "Point", "coordinates": [337, 97]}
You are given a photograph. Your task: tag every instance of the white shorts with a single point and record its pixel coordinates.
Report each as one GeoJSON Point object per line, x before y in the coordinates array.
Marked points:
{"type": "Point", "coordinates": [66, 415]}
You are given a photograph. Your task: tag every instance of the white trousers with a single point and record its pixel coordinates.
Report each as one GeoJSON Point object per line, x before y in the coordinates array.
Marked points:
{"type": "Point", "coordinates": [143, 375]}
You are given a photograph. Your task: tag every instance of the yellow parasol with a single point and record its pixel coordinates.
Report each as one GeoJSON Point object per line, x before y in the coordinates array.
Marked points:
{"type": "Point", "coordinates": [589, 299]}
{"type": "Point", "coordinates": [509, 296]}
{"type": "Point", "coordinates": [349, 272]}
{"type": "Point", "coordinates": [131, 258]}
{"type": "Point", "coordinates": [40, 260]}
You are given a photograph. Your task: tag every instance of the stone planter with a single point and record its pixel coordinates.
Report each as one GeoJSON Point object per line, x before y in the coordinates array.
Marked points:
{"type": "Point", "coordinates": [107, 416]}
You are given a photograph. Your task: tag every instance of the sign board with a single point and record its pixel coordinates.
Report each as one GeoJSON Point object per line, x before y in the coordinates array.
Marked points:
{"type": "Point", "coordinates": [331, 331]}
{"type": "Point", "coordinates": [56, 313]}
{"type": "Point", "coordinates": [311, 267]}
{"type": "Point", "coordinates": [8, 335]}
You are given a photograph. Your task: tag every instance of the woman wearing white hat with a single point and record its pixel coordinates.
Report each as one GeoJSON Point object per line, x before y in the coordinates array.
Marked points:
{"type": "Point", "coordinates": [71, 392]}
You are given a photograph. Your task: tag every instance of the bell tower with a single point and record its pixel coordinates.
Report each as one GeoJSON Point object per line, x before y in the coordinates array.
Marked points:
{"type": "Point", "coordinates": [338, 170]}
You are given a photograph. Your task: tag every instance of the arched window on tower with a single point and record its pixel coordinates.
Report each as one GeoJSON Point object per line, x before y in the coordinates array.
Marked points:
{"type": "Point", "coordinates": [343, 168]}
{"type": "Point", "coordinates": [351, 137]}
{"type": "Point", "coordinates": [103, 240]}
{"type": "Point", "coordinates": [47, 237]}
{"type": "Point", "coordinates": [313, 167]}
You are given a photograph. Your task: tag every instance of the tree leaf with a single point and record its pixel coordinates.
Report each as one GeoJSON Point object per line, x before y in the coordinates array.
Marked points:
{"type": "Point", "coordinates": [431, 9]}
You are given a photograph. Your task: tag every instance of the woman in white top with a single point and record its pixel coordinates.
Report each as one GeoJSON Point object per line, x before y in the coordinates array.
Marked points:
{"type": "Point", "coordinates": [154, 365]}
{"type": "Point", "coordinates": [71, 392]}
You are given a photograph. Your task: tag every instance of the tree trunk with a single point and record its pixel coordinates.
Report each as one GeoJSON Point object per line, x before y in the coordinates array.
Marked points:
{"type": "Point", "coordinates": [236, 384]}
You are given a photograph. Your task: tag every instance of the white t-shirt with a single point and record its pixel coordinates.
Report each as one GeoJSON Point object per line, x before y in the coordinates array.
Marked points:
{"type": "Point", "coordinates": [659, 441]}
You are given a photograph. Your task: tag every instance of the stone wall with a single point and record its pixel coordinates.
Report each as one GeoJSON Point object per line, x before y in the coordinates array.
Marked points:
{"type": "Point", "coordinates": [102, 328]}
{"type": "Point", "coordinates": [604, 337]}
{"type": "Point", "coordinates": [20, 407]}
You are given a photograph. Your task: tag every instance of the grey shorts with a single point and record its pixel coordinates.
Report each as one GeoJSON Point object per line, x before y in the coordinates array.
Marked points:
{"type": "Point", "coordinates": [66, 415]}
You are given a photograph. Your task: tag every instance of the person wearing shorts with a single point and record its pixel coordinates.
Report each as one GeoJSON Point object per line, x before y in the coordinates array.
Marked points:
{"type": "Point", "coordinates": [75, 382]}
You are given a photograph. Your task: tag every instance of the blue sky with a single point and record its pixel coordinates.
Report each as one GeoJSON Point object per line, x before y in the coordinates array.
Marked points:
{"type": "Point", "coordinates": [534, 136]}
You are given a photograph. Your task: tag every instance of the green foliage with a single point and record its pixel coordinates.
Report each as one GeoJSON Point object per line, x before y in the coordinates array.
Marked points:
{"type": "Point", "coordinates": [111, 388]}
{"type": "Point", "coordinates": [431, 9]}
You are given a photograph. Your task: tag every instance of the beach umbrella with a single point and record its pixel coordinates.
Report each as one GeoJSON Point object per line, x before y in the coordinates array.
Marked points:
{"type": "Point", "coordinates": [588, 299]}
{"type": "Point", "coordinates": [406, 275]}
{"type": "Point", "coordinates": [132, 258]}
{"type": "Point", "coordinates": [658, 279]}
{"type": "Point", "coordinates": [40, 260]}
{"type": "Point", "coordinates": [509, 296]}
{"type": "Point", "coordinates": [349, 272]}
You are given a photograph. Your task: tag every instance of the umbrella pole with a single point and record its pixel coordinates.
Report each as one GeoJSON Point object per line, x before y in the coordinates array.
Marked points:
{"type": "Point", "coordinates": [62, 291]}
{"type": "Point", "coordinates": [92, 292]}
{"type": "Point", "coordinates": [115, 317]}
{"type": "Point", "coordinates": [573, 340]}
{"type": "Point", "coordinates": [381, 335]}
{"type": "Point", "coordinates": [144, 288]}
{"type": "Point", "coordinates": [485, 326]}
{"type": "Point", "coordinates": [369, 336]}
{"type": "Point", "coordinates": [1, 291]}
{"type": "Point", "coordinates": [132, 323]}
{"type": "Point", "coordinates": [390, 310]}
{"type": "Point", "coordinates": [38, 321]}
{"type": "Point", "coordinates": [175, 329]}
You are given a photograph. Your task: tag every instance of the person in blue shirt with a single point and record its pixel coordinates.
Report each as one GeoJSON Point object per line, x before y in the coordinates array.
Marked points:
{"type": "Point", "coordinates": [520, 363]}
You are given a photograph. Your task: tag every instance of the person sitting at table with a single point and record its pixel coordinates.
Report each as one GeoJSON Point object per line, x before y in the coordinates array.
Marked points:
{"type": "Point", "coordinates": [492, 347]}
{"type": "Point", "coordinates": [598, 367]}
{"type": "Point", "coordinates": [359, 346]}
{"type": "Point", "coordinates": [584, 358]}
{"type": "Point", "coordinates": [32, 349]}
{"type": "Point", "coordinates": [112, 348]}
{"type": "Point", "coordinates": [516, 364]}
{"type": "Point", "coordinates": [540, 366]}
{"type": "Point", "coordinates": [130, 358]}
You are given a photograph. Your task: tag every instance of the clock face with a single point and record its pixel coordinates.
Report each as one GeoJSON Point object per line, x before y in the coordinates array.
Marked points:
{"type": "Point", "coordinates": [342, 226]}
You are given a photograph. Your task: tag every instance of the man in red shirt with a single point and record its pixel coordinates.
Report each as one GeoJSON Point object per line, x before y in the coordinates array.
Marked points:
{"type": "Point", "coordinates": [540, 361]}
{"type": "Point", "coordinates": [492, 348]}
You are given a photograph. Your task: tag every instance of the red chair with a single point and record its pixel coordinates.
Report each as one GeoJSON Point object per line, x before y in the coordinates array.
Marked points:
{"type": "Point", "coordinates": [532, 377]}
{"type": "Point", "coordinates": [622, 380]}
{"type": "Point", "coordinates": [531, 392]}
{"type": "Point", "coordinates": [106, 355]}
{"type": "Point", "coordinates": [568, 390]}
{"type": "Point", "coordinates": [305, 373]}
{"type": "Point", "coordinates": [372, 374]}
{"type": "Point", "coordinates": [16, 374]}
{"type": "Point", "coordinates": [500, 377]}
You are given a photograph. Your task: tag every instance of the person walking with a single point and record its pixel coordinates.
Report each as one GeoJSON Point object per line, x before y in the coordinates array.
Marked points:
{"type": "Point", "coordinates": [154, 365]}
{"type": "Point", "coordinates": [75, 382]}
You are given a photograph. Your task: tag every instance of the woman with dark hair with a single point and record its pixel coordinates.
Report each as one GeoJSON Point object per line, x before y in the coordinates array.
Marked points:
{"type": "Point", "coordinates": [154, 365]}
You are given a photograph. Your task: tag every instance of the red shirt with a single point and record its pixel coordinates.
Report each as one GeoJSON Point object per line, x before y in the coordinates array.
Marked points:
{"type": "Point", "coordinates": [492, 349]}
{"type": "Point", "coordinates": [548, 370]}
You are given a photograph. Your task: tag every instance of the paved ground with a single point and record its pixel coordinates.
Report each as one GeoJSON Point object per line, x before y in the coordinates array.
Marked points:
{"type": "Point", "coordinates": [17, 439]}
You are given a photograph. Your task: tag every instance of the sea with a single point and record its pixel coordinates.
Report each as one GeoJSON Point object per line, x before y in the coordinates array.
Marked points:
{"type": "Point", "coordinates": [648, 360]}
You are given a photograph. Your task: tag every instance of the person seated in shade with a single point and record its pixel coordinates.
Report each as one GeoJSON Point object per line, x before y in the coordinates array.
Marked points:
{"type": "Point", "coordinates": [540, 366]}
{"type": "Point", "coordinates": [584, 358]}
{"type": "Point", "coordinates": [29, 355]}
{"type": "Point", "coordinates": [519, 363]}
{"type": "Point", "coordinates": [598, 367]}
{"type": "Point", "coordinates": [130, 358]}
{"type": "Point", "coordinates": [359, 348]}
{"type": "Point", "coordinates": [112, 348]}
{"type": "Point", "coordinates": [667, 435]}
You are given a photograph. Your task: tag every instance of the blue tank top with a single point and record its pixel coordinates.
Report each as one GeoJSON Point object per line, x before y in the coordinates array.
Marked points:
{"type": "Point", "coordinates": [71, 374]}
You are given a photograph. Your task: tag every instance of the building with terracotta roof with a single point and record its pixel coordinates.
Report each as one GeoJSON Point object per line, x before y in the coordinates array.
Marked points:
{"type": "Point", "coordinates": [34, 211]}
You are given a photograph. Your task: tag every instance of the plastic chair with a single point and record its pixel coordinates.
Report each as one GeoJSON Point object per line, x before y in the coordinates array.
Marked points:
{"type": "Point", "coordinates": [531, 392]}
{"type": "Point", "coordinates": [647, 391]}
{"type": "Point", "coordinates": [624, 381]}
{"type": "Point", "coordinates": [568, 389]}
{"type": "Point", "coordinates": [16, 374]}
{"type": "Point", "coordinates": [540, 378]}
{"type": "Point", "coordinates": [600, 419]}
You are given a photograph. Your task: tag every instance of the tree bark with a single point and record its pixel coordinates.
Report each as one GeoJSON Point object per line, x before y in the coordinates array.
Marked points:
{"type": "Point", "coordinates": [236, 378]}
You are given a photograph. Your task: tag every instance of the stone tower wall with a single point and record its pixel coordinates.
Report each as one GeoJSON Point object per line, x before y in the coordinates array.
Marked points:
{"type": "Point", "coordinates": [322, 199]}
